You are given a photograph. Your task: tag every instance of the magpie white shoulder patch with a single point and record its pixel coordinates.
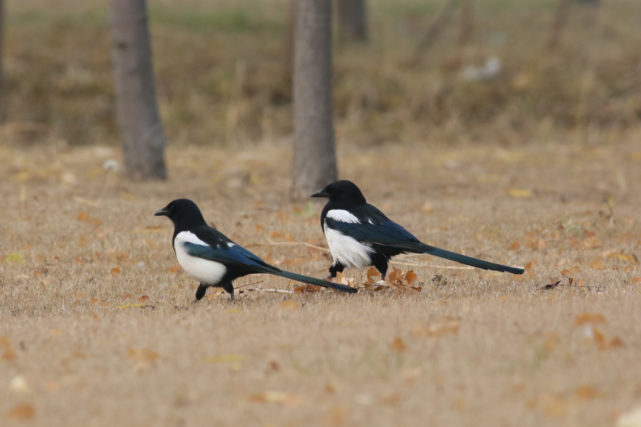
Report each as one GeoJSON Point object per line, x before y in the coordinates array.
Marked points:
{"type": "Point", "coordinates": [204, 270]}
{"type": "Point", "coordinates": [342, 215]}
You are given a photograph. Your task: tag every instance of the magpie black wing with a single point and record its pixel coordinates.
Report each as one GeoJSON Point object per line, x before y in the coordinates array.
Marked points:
{"type": "Point", "coordinates": [384, 233]}
{"type": "Point", "coordinates": [229, 254]}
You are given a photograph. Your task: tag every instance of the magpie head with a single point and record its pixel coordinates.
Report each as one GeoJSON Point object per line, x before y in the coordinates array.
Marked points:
{"type": "Point", "coordinates": [182, 210]}
{"type": "Point", "coordinates": [342, 191]}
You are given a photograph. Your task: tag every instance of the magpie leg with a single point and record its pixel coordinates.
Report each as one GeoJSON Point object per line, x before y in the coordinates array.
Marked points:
{"type": "Point", "coordinates": [229, 288]}
{"type": "Point", "coordinates": [335, 268]}
{"type": "Point", "coordinates": [200, 292]}
{"type": "Point", "coordinates": [381, 265]}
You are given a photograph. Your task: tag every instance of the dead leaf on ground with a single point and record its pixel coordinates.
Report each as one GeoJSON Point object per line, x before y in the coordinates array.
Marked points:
{"type": "Point", "coordinates": [305, 287]}
{"type": "Point", "coordinates": [586, 392]}
{"type": "Point", "coordinates": [234, 359]}
{"type": "Point", "coordinates": [584, 318]}
{"type": "Point", "coordinates": [290, 305]}
{"type": "Point", "coordinates": [518, 192]}
{"type": "Point", "coordinates": [597, 265]}
{"type": "Point", "coordinates": [397, 345]}
{"type": "Point", "coordinates": [285, 399]}
{"type": "Point", "coordinates": [447, 326]}
{"type": "Point", "coordinates": [15, 258]}
{"type": "Point", "coordinates": [22, 411]}
{"type": "Point", "coordinates": [143, 358]}
{"type": "Point", "coordinates": [602, 342]}
{"type": "Point", "coordinates": [592, 242]}
{"type": "Point", "coordinates": [85, 217]}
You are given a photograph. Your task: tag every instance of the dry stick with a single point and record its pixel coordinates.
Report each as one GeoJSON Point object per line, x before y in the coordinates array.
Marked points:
{"type": "Point", "coordinates": [309, 245]}
{"type": "Point", "coordinates": [418, 264]}
{"type": "Point", "coordinates": [435, 29]}
{"type": "Point", "coordinates": [278, 291]}
{"type": "Point", "coordinates": [249, 284]}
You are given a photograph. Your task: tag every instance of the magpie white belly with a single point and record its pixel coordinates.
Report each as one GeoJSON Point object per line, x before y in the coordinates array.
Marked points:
{"type": "Point", "coordinates": [203, 270]}
{"type": "Point", "coordinates": [348, 251]}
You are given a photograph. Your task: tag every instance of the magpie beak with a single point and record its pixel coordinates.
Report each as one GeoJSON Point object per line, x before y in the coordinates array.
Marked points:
{"type": "Point", "coordinates": [162, 212]}
{"type": "Point", "coordinates": [320, 193]}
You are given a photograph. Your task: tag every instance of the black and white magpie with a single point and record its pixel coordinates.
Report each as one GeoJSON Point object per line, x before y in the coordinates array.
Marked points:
{"type": "Point", "coordinates": [213, 259]}
{"type": "Point", "coordinates": [360, 235]}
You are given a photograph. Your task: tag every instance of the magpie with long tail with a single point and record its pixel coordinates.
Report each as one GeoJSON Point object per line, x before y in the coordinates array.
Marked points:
{"type": "Point", "coordinates": [359, 235]}
{"type": "Point", "coordinates": [213, 259]}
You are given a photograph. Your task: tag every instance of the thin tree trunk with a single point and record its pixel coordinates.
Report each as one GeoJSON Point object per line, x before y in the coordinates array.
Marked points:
{"type": "Point", "coordinates": [289, 41]}
{"type": "Point", "coordinates": [314, 150]}
{"type": "Point", "coordinates": [143, 139]}
{"type": "Point", "coordinates": [3, 93]}
{"type": "Point", "coordinates": [559, 23]}
{"type": "Point", "coordinates": [435, 29]}
{"type": "Point", "coordinates": [352, 20]}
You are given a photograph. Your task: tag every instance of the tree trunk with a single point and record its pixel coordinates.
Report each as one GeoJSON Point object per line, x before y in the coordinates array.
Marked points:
{"type": "Point", "coordinates": [3, 94]}
{"type": "Point", "coordinates": [143, 139]}
{"type": "Point", "coordinates": [352, 20]}
{"type": "Point", "coordinates": [314, 151]}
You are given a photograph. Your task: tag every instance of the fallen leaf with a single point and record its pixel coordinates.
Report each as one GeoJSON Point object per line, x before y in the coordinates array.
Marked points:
{"type": "Point", "coordinates": [275, 397]}
{"type": "Point", "coordinates": [83, 201]}
{"type": "Point", "coordinates": [142, 357]}
{"type": "Point", "coordinates": [19, 384]}
{"type": "Point", "coordinates": [585, 392]}
{"type": "Point", "coordinates": [115, 270]}
{"type": "Point", "coordinates": [143, 298]}
{"type": "Point", "coordinates": [571, 271]}
{"type": "Point", "coordinates": [398, 345]}
{"type": "Point", "coordinates": [85, 217]}
{"type": "Point", "coordinates": [447, 326]}
{"type": "Point", "coordinates": [582, 319]}
{"type": "Point", "coordinates": [22, 411]}
{"type": "Point", "coordinates": [138, 304]}
{"type": "Point", "coordinates": [630, 418]}
{"type": "Point", "coordinates": [636, 280]}
{"type": "Point", "coordinates": [234, 359]}
{"type": "Point", "coordinates": [15, 258]}
{"type": "Point", "coordinates": [592, 242]}
{"type": "Point", "coordinates": [597, 265]}
{"type": "Point", "coordinates": [290, 305]}
{"type": "Point", "coordinates": [518, 192]}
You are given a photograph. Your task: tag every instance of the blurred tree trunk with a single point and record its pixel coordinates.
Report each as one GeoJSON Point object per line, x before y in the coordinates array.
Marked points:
{"type": "Point", "coordinates": [314, 150]}
{"type": "Point", "coordinates": [289, 41]}
{"type": "Point", "coordinates": [352, 20]}
{"type": "Point", "coordinates": [3, 93]}
{"type": "Point", "coordinates": [143, 139]}
{"type": "Point", "coordinates": [559, 23]}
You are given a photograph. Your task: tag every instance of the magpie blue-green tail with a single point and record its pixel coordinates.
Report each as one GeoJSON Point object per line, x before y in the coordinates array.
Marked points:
{"type": "Point", "coordinates": [314, 281]}
{"type": "Point", "coordinates": [478, 263]}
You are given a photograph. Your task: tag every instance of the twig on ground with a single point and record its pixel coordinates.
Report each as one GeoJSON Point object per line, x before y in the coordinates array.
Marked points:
{"type": "Point", "coordinates": [277, 291]}
{"type": "Point", "coordinates": [309, 245]}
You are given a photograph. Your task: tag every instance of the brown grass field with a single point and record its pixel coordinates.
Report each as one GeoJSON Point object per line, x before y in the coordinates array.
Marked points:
{"type": "Point", "coordinates": [535, 168]}
{"type": "Point", "coordinates": [98, 325]}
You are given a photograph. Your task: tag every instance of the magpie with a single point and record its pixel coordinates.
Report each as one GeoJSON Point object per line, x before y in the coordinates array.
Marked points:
{"type": "Point", "coordinates": [360, 235]}
{"type": "Point", "coordinates": [213, 259]}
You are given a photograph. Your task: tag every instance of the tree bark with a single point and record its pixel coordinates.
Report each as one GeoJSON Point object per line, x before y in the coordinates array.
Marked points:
{"type": "Point", "coordinates": [3, 94]}
{"type": "Point", "coordinates": [352, 20]}
{"type": "Point", "coordinates": [314, 146]}
{"type": "Point", "coordinates": [142, 136]}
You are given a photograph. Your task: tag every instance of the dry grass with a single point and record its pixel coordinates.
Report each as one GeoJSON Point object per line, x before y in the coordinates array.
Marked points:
{"type": "Point", "coordinates": [482, 349]}
{"type": "Point", "coordinates": [221, 73]}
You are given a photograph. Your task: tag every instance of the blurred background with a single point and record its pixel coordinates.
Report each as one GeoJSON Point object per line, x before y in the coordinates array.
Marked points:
{"type": "Point", "coordinates": [505, 72]}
